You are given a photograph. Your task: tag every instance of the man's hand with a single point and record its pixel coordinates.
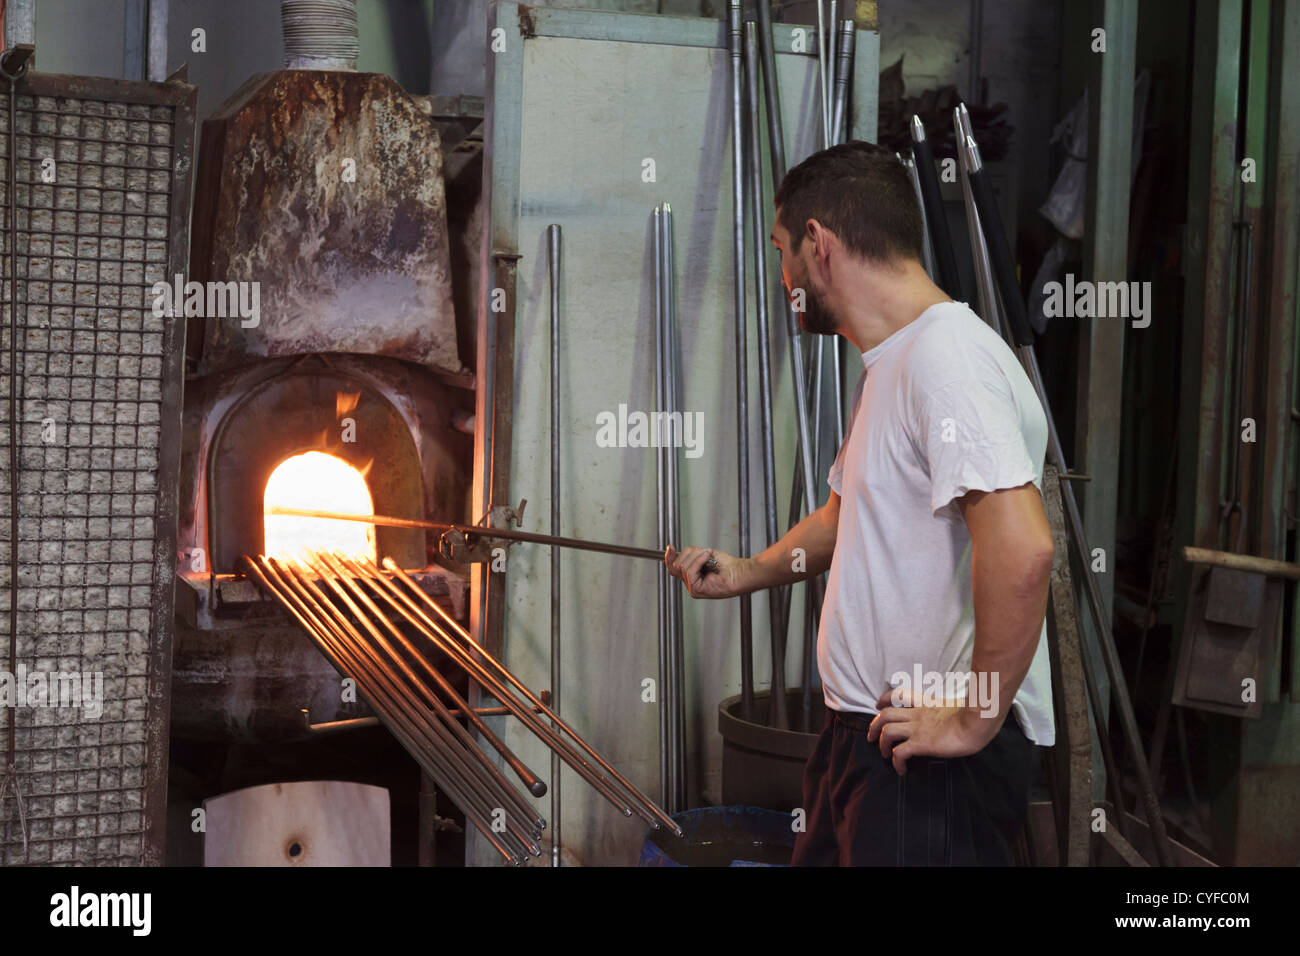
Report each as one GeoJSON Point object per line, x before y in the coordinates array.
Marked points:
{"type": "Point", "coordinates": [928, 728]}
{"type": "Point", "coordinates": [722, 579]}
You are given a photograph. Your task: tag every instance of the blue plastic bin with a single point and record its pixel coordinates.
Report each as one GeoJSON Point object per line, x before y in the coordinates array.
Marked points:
{"type": "Point", "coordinates": [722, 836]}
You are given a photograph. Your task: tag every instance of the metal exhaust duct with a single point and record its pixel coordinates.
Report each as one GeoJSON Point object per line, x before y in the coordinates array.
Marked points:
{"type": "Point", "coordinates": [319, 34]}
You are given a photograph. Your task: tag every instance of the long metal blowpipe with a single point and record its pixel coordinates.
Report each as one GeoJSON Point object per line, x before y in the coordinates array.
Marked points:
{"type": "Point", "coordinates": [443, 771]}
{"type": "Point", "coordinates": [982, 192]}
{"type": "Point", "coordinates": [678, 633]}
{"type": "Point", "coordinates": [365, 657]}
{"type": "Point", "coordinates": [945, 259]}
{"type": "Point", "coordinates": [776, 596]}
{"type": "Point", "coordinates": [988, 301]}
{"type": "Point", "coordinates": [381, 705]}
{"type": "Point", "coordinates": [369, 651]}
{"type": "Point", "coordinates": [845, 45]}
{"type": "Point", "coordinates": [487, 790]}
{"type": "Point", "coordinates": [667, 512]}
{"type": "Point", "coordinates": [666, 762]}
{"type": "Point", "coordinates": [541, 729]}
{"type": "Point", "coordinates": [471, 530]}
{"type": "Point", "coordinates": [823, 86]}
{"type": "Point", "coordinates": [736, 51]}
{"type": "Point", "coordinates": [839, 129]}
{"type": "Point", "coordinates": [776, 142]}
{"type": "Point", "coordinates": [553, 235]}
{"type": "Point", "coordinates": [909, 163]}
{"type": "Point", "coordinates": [326, 567]}
{"type": "Point", "coordinates": [528, 695]}
{"type": "Point", "coordinates": [440, 638]}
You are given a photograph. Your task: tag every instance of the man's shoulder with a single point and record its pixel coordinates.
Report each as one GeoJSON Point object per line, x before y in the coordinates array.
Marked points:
{"type": "Point", "coordinates": [954, 347]}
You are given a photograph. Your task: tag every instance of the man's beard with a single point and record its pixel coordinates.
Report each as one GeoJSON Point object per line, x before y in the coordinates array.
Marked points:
{"type": "Point", "coordinates": [816, 318]}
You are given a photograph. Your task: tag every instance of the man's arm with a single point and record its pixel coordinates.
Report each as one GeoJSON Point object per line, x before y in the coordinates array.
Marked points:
{"type": "Point", "coordinates": [814, 536]}
{"type": "Point", "coordinates": [1011, 564]}
{"type": "Point", "coordinates": [1011, 567]}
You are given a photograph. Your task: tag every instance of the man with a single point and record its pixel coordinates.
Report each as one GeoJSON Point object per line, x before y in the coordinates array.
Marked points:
{"type": "Point", "coordinates": [934, 534]}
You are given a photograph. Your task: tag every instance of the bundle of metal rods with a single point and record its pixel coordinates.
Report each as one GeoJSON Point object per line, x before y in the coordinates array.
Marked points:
{"type": "Point", "coordinates": [672, 651]}
{"type": "Point", "coordinates": [385, 633]}
{"type": "Point", "coordinates": [1003, 307]}
{"type": "Point", "coordinates": [754, 69]}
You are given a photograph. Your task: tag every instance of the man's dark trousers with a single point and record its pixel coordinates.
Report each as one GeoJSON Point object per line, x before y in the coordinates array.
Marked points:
{"type": "Point", "coordinates": [961, 811]}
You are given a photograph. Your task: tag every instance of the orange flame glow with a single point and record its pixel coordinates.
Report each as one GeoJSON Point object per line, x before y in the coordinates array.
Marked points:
{"type": "Point", "coordinates": [344, 402]}
{"type": "Point", "coordinates": [315, 481]}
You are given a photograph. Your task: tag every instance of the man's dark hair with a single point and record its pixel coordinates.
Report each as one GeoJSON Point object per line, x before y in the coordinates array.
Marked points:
{"type": "Point", "coordinates": [860, 192]}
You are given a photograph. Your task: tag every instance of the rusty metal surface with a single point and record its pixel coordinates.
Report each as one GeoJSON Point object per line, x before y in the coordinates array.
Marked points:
{"type": "Point", "coordinates": [344, 266]}
{"type": "Point", "coordinates": [1072, 798]}
{"type": "Point", "coordinates": [97, 529]}
{"type": "Point", "coordinates": [1229, 635]}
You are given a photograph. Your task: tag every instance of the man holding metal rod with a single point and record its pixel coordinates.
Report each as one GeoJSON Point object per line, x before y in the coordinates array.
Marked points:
{"type": "Point", "coordinates": [932, 646]}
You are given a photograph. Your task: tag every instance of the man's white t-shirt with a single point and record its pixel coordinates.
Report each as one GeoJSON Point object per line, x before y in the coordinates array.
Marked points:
{"type": "Point", "coordinates": [943, 408]}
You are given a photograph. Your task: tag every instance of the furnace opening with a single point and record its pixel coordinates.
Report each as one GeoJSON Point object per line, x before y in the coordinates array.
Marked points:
{"type": "Point", "coordinates": [316, 481]}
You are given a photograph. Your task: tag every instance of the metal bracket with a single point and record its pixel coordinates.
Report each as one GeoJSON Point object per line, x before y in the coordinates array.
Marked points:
{"type": "Point", "coordinates": [16, 61]}
{"type": "Point", "coordinates": [504, 515]}
{"type": "Point", "coordinates": [456, 546]}
{"type": "Point", "coordinates": [444, 824]}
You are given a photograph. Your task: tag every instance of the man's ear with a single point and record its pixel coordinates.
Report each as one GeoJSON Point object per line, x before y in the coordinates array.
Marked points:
{"type": "Point", "coordinates": [820, 238]}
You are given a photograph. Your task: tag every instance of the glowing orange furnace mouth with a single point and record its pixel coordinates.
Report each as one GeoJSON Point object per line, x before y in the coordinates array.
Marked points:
{"type": "Point", "coordinates": [317, 481]}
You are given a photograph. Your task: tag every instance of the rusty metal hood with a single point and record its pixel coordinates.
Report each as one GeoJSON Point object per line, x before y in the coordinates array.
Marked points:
{"type": "Point", "coordinates": [326, 189]}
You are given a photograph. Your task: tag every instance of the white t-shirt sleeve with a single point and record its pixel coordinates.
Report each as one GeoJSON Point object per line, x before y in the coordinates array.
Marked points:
{"type": "Point", "coordinates": [972, 441]}
{"type": "Point", "coordinates": [835, 477]}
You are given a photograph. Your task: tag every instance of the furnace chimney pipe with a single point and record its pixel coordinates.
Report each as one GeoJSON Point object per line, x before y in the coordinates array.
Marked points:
{"type": "Point", "coordinates": [320, 34]}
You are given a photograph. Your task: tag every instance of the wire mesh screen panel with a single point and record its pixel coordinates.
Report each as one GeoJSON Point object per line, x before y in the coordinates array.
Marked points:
{"type": "Point", "coordinates": [102, 193]}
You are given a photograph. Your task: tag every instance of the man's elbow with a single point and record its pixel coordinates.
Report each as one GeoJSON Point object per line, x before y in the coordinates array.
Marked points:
{"type": "Point", "coordinates": [1037, 558]}
{"type": "Point", "coordinates": [1044, 553]}
{"type": "Point", "coordinates": [1026, 559]}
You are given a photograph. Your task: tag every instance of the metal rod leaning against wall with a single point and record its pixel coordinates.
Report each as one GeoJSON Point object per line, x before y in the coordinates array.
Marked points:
{"type": "Point", "coordinates": [945, 259]}
{"type": "Point", "coordinates": [984, 280]}
{"type": "Point", "coordinates": [927, 256]}
{"type": "Point", "coordinates": [846, 43]}
{"type": "Point", "coordinates": [776, 714]}
{"type": "Point", "coordinates": [823, 85]}
{"type": "Point", "coordinates": [841, 77]}
{"type": "Point", "coordinates": [667, 737]}
{"type": "Point", "coordinates": [839, 134]}
{"type": "Point", "coordinates": [776, 140]}
{"type": "Point", "coordinates": [734, 20]}
{"type": "Point", "coordinates": [990, 311]}
{"type": "Point", "coordinates": [812, 586]}
{"type": "Point", "coordinates": [1022, 336]}
{"type": "Point", "coordinates": [674, 461]}
{"type": "Point", "coordinates": [553, 249]}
